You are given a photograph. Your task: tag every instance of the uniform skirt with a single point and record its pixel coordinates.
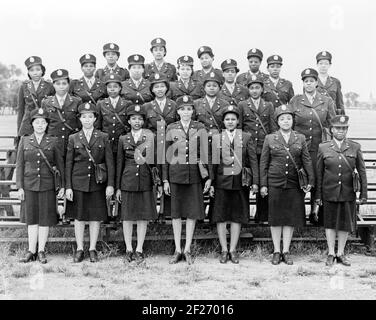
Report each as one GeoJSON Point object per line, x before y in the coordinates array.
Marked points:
{"type": "Point", "coordinates": [230, 206]}
{"type": "Point", "coordinates": [286, 207]}
{"type": "Point", "coordinates": [87, 206]}
{"type": "Point", "coordinates": [187, 201]}
{"type": "Point", "coordinates": [138, 205]}
{"type": "Point", "coordinates": [340, 216]}
{"type": "Point", "coordinates": [39, 208]}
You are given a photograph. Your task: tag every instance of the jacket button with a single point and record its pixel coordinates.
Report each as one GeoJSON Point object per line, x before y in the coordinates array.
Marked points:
{"type": "Point", "coordinates": [138, 166]}
{"type": "Point", "coordinates": [136, 174]}
{"type": "Point", "coordinates": [90, 160]}
{"type": "Point", "coordinates": [88, 175]}
{"type": "Point", "coordinates": [63, 129]}
{"type": "Point", "coordinates": [38, 175]}
{"type": "Point", "coordinates": [339, 166]}
{"type": "Point", "coordinates": [340, 174]}
{"type": "Point", "coordinates": [113, 124]}
{"type": "Point", "coordinates": [38, 161]}
{"type": "Point", "coordinates": [286, 172]}
{"type": "Point", "coordinates": [63, 137]}
{"type": "Point", "coordinates": [339, 182]}
{"type": "Point", "coordinates": [287, 157]}
{"type": "Point", "coordinates": [38, 154]}
{"type": "Point", "coordinates": [89, 167]}
{"type": "Point", "coordinates": [287, 164]}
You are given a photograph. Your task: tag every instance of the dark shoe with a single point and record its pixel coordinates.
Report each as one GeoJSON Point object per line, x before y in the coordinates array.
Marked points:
{"type": "Point", "coordinates": [129, 256]}
{"type": "Point", "coordinates": [287, 259]}
{"type": "Point", "coordinates": [178, 256]}
{"type": "Point", "coordinates": [79, 256]}
{"type": "Point", "coordinates": [42, 257]}
{"type": "Point", "coordinates": [224, 257]}
{"type": "Point", "coordinates": [188, 257]}
{"type": "Point", "coordinates": [276, 258]}
{"type": "Point", "coordinates": [29, 257]}
{"type": "Point", "coordinates": [342, 259]}
{"type": "Point", "coordinates": [234, 257]}
{"type": "Point", "coordinates": [139, 257]}
{"type": "Point", "coordinates": [93, 256]}
{"type": "Point", "coordinates": [330, 260]}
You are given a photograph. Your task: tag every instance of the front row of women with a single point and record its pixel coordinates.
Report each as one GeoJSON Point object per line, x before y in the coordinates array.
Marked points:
{"type": "Point", "coordinates": [233, 158]}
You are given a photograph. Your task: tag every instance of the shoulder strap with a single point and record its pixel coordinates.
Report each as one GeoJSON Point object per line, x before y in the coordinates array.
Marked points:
{"type": "Point", "coordinates": [215, 121]}
{"type": "Point", "coordinates": [318, 118]}
{"type": "Point", "coordinates": [346, 161]}
{"type": "Point", "coordinates": [90, 156]}
{"type": "Point", "coordinates": [46, 160]}
{"type": "Point", "coordinates": [259, 120]}
{"type": "Point", "coordinates": [63, 120]}
{"type": "Point", "coordinates": [90, 96]}
{"type": "Point", "coordinates": [292, 158]}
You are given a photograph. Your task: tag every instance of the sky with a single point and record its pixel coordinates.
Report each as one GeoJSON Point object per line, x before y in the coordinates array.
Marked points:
{"type": "Point", "coordinates": [62, 31]}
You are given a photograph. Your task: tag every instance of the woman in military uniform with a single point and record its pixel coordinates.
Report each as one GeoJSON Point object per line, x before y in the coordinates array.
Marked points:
{"type": "Point", "coordinates": [35, 183]}
{"type": "Point", "coordinates": [279, 179]}
{"type": "Point", "coordinates": [181, 175]}
{"type": "Point", "coordinates": [206, 56]}
{"type": "Point", "coordinates": [327, 85]}
{"type": "Point", "coordinates": [312, 114]}
{"type": "Point", "coordinates": [134, 182]}
{"type": "Point", "coordinates": [231, 91]}
{"type": "Point", "coordinates": [62, 109]}
{"type": "Point", "coordinates": [254, 57]}
{"type": "Point", "coordinates": [185, 85]}
{"type": "Point", "coordinates": [88, 88]}
{"type": "Point", "coordinates": [278, 91]}
{"type": "Point", "coordinates": [136, 88]}
{"type": "Point", "coordinates": [337, 160]}
{"type": "Point", "coordinates": [159, 51]}
{"type": "Point", "coordinates": [257, 118]}
{"type": "Point", "coordinates": [232, 150]}
{"type": "Point", "coordinates": [86, 197]}
{"type": "Point", "coordinates": [31, 94]}
{"type": "Point", "coordinates": [111, 53]}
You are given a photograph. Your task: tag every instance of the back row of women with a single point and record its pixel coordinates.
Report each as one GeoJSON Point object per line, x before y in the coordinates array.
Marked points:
{"type": "Point", "coordinates": [108, 119]}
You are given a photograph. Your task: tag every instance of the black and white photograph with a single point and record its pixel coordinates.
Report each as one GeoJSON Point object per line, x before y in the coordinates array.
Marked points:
{"type": "Point", "coordinates": [187, 152]}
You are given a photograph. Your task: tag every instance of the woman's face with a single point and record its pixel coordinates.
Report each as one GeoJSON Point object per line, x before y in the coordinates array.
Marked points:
{"type": "Point", "coordinates": [285, 121]}
{"type": "Point", "coordinates": [87, 119]}
{"type": "Point", "coordinates": [206, 60]}
{"type": "Point", "coordinates": [185, 113]}
{"type": "Point", "coordinates": [339, 132]}
{"type": "Point", "coordinates": [136, 121]}
{"type": "Point", "coordinates": [113, 89]}
{"type": "Point", "coordinates": [255, 90]}
{"type": "Point", "coordinates": [254, 64]}
{"type": "Point", "coordinates": [274, 70]}
{"type": "Point", "coordinates": [229, 75]}
{"type": "Point", "coordinates": [88, 69]}
{"type": "Point", "coordinates": [136, 71]}
{"type": "Point", "coordinates": [211, 88]}
{"type": "Point", "coordinates": [111, 57]}
{"type": "Point", "coordinates": [323, 66]}
{"type": "Point", "coordinates": [185, 71]}
{"type": "Point", "coordinates": [160, 89]}
{"type": "Point", "coordinates": [35, 73]}
{"type": "Point", "coordinates": [230, 121]}
{"type": "Point", "coordinates": [61, 86]}
{"type": "Point", "coordinates": [158, 52]}
{"type": "Point", "coordinates": [39, 125]}
{"type": "Point", "coordinates": [310, 84]}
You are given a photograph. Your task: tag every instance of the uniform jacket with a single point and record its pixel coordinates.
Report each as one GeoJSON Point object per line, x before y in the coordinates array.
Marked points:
{"type": "Point", "coordinates": [239, 94]}
{"type": "Point", "coordinates": [178, 89]}
{"type": "Point", "coordinates": [79, 169]}
{"type": "Point", "coordinates": [250, 123]}
{"type": "Point", "coordinates": [132, 174]}
{"type": "Point", "coordinates": [332, 88]}
{"type": "Point", "coordinates": [276, 168]}
{"type": "Point", "coordinates": [210, 117]}
{"type": "Point", "coordinates": [279, 94]}
{"type": "Point", "coordinates": [108, 122]}
{"type": "Point", "coordinates": [199, 75]}
{"type": "Point", "coordinates": [138, 95]}
{"type": "Point", "coordinates": [167, 69]}
{"type": "Point", "coordinates": [334, 177]}
{"type": "Point", "coordinates": [79, 88]}
{"type": "Point", "coordinates": [32, 172]}
{"type": "Point", "coordinates": [26, 103]}
{"type": "Point", "coordinates": [306, 122]}
{"type": "Point", "coordinates": [227, 171]}
{"type": "Point", "coordinates": [69, 112]}
{"type": "Point", "coordinates": [155, 114]}
{"type": "Point", "coordinates": [245, 76]}
{"type": "Point", "coordinates": [183, 153]}
{"type": "Point", "coordinates": [102, 73]}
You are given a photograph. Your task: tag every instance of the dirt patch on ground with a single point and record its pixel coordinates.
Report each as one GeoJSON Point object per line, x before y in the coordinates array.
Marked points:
{"type": "Point", "coordinates": [253, 278]}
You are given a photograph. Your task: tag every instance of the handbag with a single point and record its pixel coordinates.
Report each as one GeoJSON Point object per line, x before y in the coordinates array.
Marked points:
{"type": "Point", "coordinates": [55, 172]}
{"type": "Point", "coordinates": [325, 135]}
{"type": "Point", "coordinates": [204, 173]}
{"type": "Point", "coordinates": [100, 169]}
{"type": "Point", "coordinates": [302, 174]}
{"type": "Point", "coordinates": [355, 175]}
{"type": "Point", "coordinates": [247, 177]}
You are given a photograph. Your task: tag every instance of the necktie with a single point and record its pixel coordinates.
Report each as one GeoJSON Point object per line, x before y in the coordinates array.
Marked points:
{"type": "Point", "coordinates": [256, 103]}
{"type": "Point", "coordinates": [231, 136]}
{"type": "Point", "coordinates": [61, 102]}
{"type": "Point", "coordinates": [89, 83]}
{"type": "Point", "coordinates": [113, 102]}
{"type": "Point", "coordinates": [161, 105]}
{"type": "Point", "coordinates": [211, 102]}
{"type": "Point", "coordinates": [88, 136]}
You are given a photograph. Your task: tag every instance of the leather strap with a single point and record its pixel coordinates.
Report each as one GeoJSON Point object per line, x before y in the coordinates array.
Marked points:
{"type": "Point", "coordinates": [63, 120]}
{"type": "Point", "coordinates": [259, 120]}
{"type": "Point", "coordinates": [90, 156]}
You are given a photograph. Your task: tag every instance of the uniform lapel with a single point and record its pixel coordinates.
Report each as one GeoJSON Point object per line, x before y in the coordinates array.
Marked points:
{"type": "Point", "coordinates": [262, 106]}
{"type": "Point", "coordinates": [344, 145]}
{"type": "Point", "coordinates": [293, 138]}
{"type": "Point", "coordinates": [84, 84]}
{"type": "Point", "coordinates": [41, 86]}
{"type": "Point", "coordinates": [82, 137]}
{"type": "Point", "coordinates": [216, 105]}
{"type": "Point", "coordinates": [281, 139]}
{"type": "Point", "coordinates": [68, 100]}
{"type": "Point", "coordinates": [304, 100]}
{"type": "Point", "coordinates": [318, 100]}
{"type": "Point", "coordinates": [167, 107]}
{"type": "Point", "coordinates": [93, 138]}
{"type": "Point", "coordinates": [182, 86]}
